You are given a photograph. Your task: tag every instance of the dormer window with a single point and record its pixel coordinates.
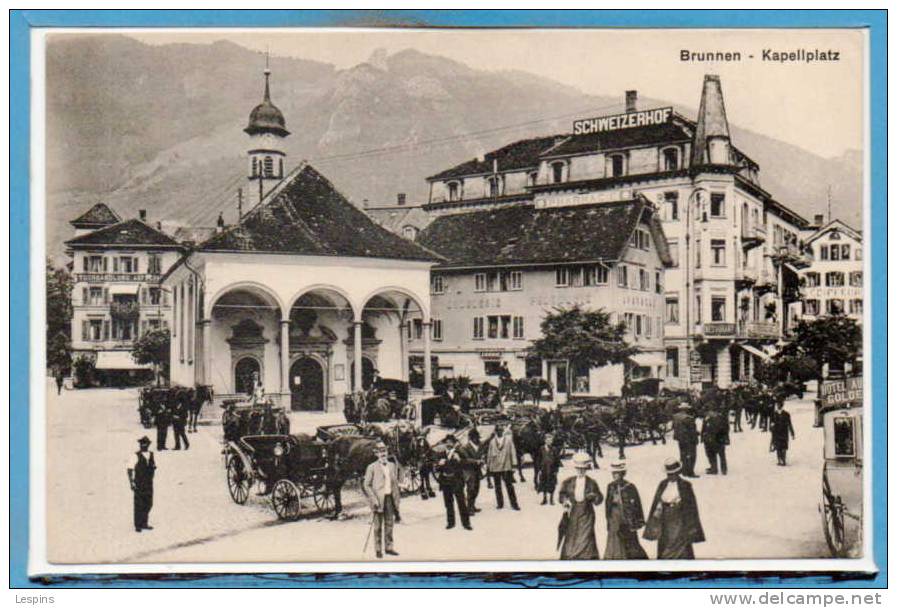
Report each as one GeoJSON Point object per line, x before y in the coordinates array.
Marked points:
{"type": "Point", "coordinates": [670, 159]}
{"type": "Point", "coordinates": [617, 165]}
{"type": "Point", "coordinates": [557, 172]}
{"type": "Point", "coordinates": [409, 232]}
{"type": "Point", "coordinates": [494, 186]}
{"type": "Point", "coordinates": [454, 191]}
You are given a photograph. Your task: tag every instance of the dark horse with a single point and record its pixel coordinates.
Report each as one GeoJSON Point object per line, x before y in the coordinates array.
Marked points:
{"type": "Point", "coordinates": [201, 395]}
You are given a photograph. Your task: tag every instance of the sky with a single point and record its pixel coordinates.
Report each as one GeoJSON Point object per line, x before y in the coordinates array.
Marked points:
{"type": "Point", "coordinates": [817, 106]}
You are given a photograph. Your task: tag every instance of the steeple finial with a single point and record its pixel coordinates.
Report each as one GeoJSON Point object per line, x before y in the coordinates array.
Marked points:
{"type": "Point", "coordinates": [267, 76]}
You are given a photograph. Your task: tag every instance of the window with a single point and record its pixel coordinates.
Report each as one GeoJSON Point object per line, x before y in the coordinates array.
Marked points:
{"type": "Point", "coordinates": [622, 276]}
{"type": "Point", "coordinates": [658, 282]}
{"type": "Point", "coordinates": [269, 166]}
{"type": "Point", "coordinates": [454, 190]}
{"type": "Point", "coordinates": [811, 307]}
{"type": "Point", "coordinates": [856, 307]}
{"type": "Point", "coordinates": [717, 309]}
{"type": "Point", "coordinates": [835, 307]}
{"type": "Point", "coordinates": [122, 330]}
{"type": "Point", "coordinates": [494, 186]}
{"type": "Point", "coordinates": [601, 275]}
{"type": "Point", "coordinates": [640, 239]}
{"type": "Point", "coordinates": [155, 296]}
{"type": "Point", "coordinates": [96, 296]}
{"type": "Point", "coordinates": [836, 253]}
{"type": "Point", "coordinates": [858, 253]}
{"type": "Point", "coordinates": [437, 284]}
{"type": "Point", "coordinates": [834, 279]}
{"type": "Point", "coordinates": [92, 330]}
{"type": "Point", "coordinates": [673, 362]}
{"type": "Point", "coordinates": [674, 252]}
{"type": "Point", "coordinates": [479, 281]}
{"type": "Point", "coordinates": [643, 281]}
{"type": "Point", "coordinates": [498, 326]}
{"type": "Point", "coordinates": [436, 329]}
{"type": "Point", "coordinates": [154, 264]}
{"type": "Point", "coordinates": [699, 313]}
{"type": "Point", "coordinates": [673, 310]}
{"type": "Point", "coordinates": [94, 263]}
{"type": "Point", "coordinates": [717, 204]}
{"type": "Point", "coordinates": [697, 253]}
{"type": "Point", "coordinates": [478, 328]}
{"type": "Point", "coordinates": [255, 166]}
{"type": "Point", "coordinates": [718, 252]}
{"type": "Point", "coordinates": [639, 325]}
{"type": "Point", "coordinates": [417, 327]}
{"type": "Point", "coordinates": [670, 159]}
{"type": "Point", "coordinates": [518, 328]}
{"type": "Point", "coordinates": [617, 165]}
{"type": "Point", "coordinates": [492, 367]}
{"type": "Point", "coordinates": [647, 324]}
{"type": "Point", "coordinates": [823, 252]}
{"type": "Point", "coordinates": [845, 252]}
{"type": "Point", "coordinates": [505, 322]}
{"type": "Point", "coordinates": [671, 205]}
{"type": "Point", "coordinates": [844, 436]}
{"type": "Point", "coordinates": [516, 280]}
{"type": "Point", "coordinates": [856, 279]}
{"type": "Point", "coordinates": [409, 232]}
{"type": "Point", "coordinates": [562, 277]}
{"type": "Point", "coordinates": [812, 279]}
{"type": "Point", "coordinates": [557, 173]}
{"type": "Point", "coordinates": [629, 322]}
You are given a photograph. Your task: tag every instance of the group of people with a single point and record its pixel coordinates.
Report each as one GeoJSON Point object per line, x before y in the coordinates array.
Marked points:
{"type": "Point", "coordinates": [172, 414]}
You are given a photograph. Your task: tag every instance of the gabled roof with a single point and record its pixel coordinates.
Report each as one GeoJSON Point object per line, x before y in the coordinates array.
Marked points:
{"type": "Point", "coordinates": [306, 215]}
{"type": "Point", "coordinates": [834, 224]}
{"type": "Point", "coordinates": [396, 218]}
{"type": "Point", "coordinates": [521, 154]}
{"type": "Point", "coordinates": [522, 234]}
{"type": "Point", "coordinates": [668, 132]}
{"type": "Point", "coordinates": [130, 233]}
{"type": "Point", "coordinates": [98, 215]}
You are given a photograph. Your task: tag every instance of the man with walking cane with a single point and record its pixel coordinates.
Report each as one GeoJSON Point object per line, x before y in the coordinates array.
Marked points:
{"type": "Point", "coordinates": [381, 487]}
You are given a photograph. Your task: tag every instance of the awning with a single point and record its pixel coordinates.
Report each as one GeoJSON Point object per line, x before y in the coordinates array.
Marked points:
{"type": "Point", "coordinates": [124, 289]}
{"type": "Point", "coordinates": [117, 359]}
{"type": "Point", "coordinates": [755, 351]}
{"type": "Point", "coordinates": [648, 359]}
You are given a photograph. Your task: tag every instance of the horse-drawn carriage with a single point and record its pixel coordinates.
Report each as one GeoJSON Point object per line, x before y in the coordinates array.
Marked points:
{"type": "Point", "coordinates": [842, 474]}
{"type": "Point", "coordinates": [388, 399]}
{"type": "Point", "coordinates": [292, 469]}
{"type": "Point", "coordinates": [151, 400]}
{"type": "Point", "coordinates": [242, 418]}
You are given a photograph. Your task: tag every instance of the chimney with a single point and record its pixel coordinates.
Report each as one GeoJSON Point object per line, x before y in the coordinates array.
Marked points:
{"type": "Point", "coordinates": [220, 223]}
{"type": "Point", "coordinates": [142, 215]}
{"type": "Point", "coordinates": [631, 100]}
{"type": "Point", "coordinates": [365, 204]}
{"type": "Point", "coordinates": [159, 225]}
{"type": "Point", "coordinates": [712, 145]}
{"type": "Point", "coordinates": [818, 219]}
{"type": "Point", "coordinates": [400, 199]}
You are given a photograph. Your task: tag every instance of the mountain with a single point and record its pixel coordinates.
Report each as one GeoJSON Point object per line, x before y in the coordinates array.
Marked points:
{"type": "Point", "coordinates": [160, 127]}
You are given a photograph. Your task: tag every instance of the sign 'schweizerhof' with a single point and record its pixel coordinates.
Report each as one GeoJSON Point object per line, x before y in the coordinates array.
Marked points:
{"type": "Point", "coordinates": [628, 120]}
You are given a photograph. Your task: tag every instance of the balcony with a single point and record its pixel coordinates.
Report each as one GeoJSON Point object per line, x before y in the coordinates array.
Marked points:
{"type": "Point", "coordinates": [791, 254]}
{"type": "Point", "coordinates": [752, 236]}
{"type": "Point", "coordinates": [719, 330]}
{"type": "Point", "coordinates": [760, 330]}
{"type": "Point", "coordinates": [126, 311]}
{"type": "Point", "coordinates": [116, 277]}
{"type": "Point", "coordinates": [746, 276]}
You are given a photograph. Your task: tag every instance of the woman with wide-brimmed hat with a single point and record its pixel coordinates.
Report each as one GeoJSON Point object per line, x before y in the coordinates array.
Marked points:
{"type": "Point", "coordinates": [623, 510]}
{"type": "Point", "coordinates": [580, 495]}
{"type": "Point", "coordinates": [674, 522]}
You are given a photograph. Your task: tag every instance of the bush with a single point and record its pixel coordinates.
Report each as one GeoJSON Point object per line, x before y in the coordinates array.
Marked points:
{"type": "Point", "coordinates": [85, 372]}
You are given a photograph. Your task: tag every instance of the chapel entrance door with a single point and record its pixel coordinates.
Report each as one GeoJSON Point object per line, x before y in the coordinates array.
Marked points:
{"type": "Point", "coordinates": [307, 385]}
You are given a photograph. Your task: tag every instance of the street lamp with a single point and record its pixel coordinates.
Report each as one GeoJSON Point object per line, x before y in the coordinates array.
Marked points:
{"type": "Point", "coordinates": [692, 198]}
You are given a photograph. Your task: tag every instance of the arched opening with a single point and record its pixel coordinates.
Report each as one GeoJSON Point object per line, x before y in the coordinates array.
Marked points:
{"type": "Point", "coordinates": [307, 385]}
{"type": "Point", "coordinates": [244, 371]}
{"type": "Point", "coordinates": [367, 373]}
{"type": "Point", "coordinates": [393, 335]}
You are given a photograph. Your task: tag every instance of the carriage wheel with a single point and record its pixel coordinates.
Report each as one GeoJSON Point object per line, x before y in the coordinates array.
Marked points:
{"type": "Point", "coordinates": [286, 500]}
{"type": "Point", "coordinates": [324, 500]}
{"type": "Point", "coordinates": [239, 480]}
{"type": "Point", "coordinates": [833, 524]}
{"type": "Point", "coordinates": [410, 483]}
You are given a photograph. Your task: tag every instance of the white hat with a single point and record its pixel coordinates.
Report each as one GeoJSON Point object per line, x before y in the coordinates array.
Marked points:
{"type": "Point", "coordinates": [618, 466]}
{"type": "Point", "coordinates": [581, 460]}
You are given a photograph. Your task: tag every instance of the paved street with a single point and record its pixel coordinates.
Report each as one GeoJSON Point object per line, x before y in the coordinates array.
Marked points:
{"type": "Point", "coordinates": [758, 511]}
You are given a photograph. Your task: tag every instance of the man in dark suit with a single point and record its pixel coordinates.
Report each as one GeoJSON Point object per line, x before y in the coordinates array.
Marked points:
{"type": "Point", "coordinates": [471, 464]}
{"type": "Point", "coordinates": [782, 431]}
{"type": "Point", "coordinates": [715, 435]}
{"type": "Point", "coordinates": [141, 470]}
{"type": "Point", "coordinates": [163, 420]}
{"type": "Point", "coordinates": [179, 415]}
{"type": "Point", "coordinates": [451, 482]}
{"type": "Point", "coordinates": [685, 432]}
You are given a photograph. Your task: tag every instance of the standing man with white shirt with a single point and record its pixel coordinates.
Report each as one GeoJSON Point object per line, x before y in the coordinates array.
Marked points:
{"type": "Point", "coordinates": [141, 470]}
{"type": "Point", "coordinates": [381, 487]}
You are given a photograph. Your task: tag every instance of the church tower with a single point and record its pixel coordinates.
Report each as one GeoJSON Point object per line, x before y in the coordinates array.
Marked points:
{"type": "Point", "coordinates": [712, 143]}
{"type": "Point", "coordinates": [266, 130]}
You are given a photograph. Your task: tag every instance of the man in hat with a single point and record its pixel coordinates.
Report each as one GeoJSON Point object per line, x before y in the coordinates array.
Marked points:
{"type": "Point", "coordinates": [715, 435]}
{"type": "Point", "coordinates": [141, 470]}
{"type": "Point", "coordinates": [782, 430]}
{"type": "Point", "coordinates": [501, 458]}
{"type": "Point", "coordinates": [451, 482]}
{"type": "Point", "coordinates": [472, 465]}
{"type": "Point", "coordinates": [685, 432]}
{"type": "Point", "coordinates": [381, 487]}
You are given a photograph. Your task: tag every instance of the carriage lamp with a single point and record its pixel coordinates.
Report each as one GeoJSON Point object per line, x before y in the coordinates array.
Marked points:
{"type": "Point", "coordinates": [278, 450]}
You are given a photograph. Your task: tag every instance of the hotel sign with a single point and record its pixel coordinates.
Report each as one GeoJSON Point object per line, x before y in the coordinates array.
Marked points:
{"type": "Point", "coordinates": [586, 198]}
{"type": "Point", "coordinates": [839, 392]}
{"type": "Point", "coordinates": [644, 118]}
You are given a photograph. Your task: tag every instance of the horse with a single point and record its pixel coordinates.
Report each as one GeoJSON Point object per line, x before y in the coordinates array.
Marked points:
{"type": "Point", "coordinates": [529, 437]}
{"type": "Point", "coordinates": [202, 394]}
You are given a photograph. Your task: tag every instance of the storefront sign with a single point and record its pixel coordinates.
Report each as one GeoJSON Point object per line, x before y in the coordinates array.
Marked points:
{"type": "Point", "coordinates": [644, 118]}
{"type": "Point", "coordinates": [696, 369]}
{"type": "Point", "coordinates": [838, 392]}
{"type": "Point", "coordinates": [586, 198]}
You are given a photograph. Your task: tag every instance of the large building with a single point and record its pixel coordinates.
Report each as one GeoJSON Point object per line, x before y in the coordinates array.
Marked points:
{"type": "Point", "coordinates": [117, 297]}
{"type": "Point", "coordinates": [833, 283]}
{"type": "Point", "coordinates": [734, 250]}
{"type": "Point", "coordinates": [305, 290]}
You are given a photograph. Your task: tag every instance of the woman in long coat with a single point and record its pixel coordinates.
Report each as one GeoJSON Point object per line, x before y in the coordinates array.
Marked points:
{"type": "Point", "coordinates": [580, 495]}
{"type": "Point", "coordinates": [547, 470]}
{"type": "Point", "coordinates": [623, 511]}
{"type": "Point", "coordinates": [674, 522]}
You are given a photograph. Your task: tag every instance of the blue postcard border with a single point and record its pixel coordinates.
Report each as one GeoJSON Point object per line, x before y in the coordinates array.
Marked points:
{"type": "Point", "coordinates": [21, 23]}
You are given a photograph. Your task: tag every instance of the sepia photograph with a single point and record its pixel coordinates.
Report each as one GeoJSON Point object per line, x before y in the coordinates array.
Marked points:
{"type": "Point", "coordinates": [570, 300]}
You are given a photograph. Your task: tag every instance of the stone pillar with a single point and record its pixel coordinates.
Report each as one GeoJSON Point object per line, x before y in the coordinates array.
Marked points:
{"type": "Point", "coordinates": [724, 367]}
{"type": "Point", "coordinates": [285, 357]}
{"type": "Point", "coordinates": [403, 351]}
{"type": "Point", "coordinates": [428, 367]}
{"type": "Point", "coordinates": [357, 364]}
{"type": "Point", "coordinates": [206, 351]}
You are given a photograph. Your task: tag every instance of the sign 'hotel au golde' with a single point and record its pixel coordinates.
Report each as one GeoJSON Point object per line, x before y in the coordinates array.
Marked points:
{"type": "Point", "coordinates": [590, 126]}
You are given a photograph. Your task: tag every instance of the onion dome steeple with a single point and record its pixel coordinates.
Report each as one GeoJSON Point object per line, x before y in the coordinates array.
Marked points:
{"type": "Point", "coordinates": [266, 117]}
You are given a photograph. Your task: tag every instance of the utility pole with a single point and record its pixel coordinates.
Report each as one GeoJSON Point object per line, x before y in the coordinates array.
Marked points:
{"type": "Point", "coordinates": [239, 204]}
{"type": "Point", "coordinates": [829, 197]}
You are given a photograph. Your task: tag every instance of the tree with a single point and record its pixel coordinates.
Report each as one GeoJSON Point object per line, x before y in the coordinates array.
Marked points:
{"type": "Point", "coordinates": [153, 347]}
{"type": "Point", "coordinates": [833, 340]}
{"type": "Point", "coordinates": [582, 337]}
{"type": "Point", "coordinates": [59, 316]}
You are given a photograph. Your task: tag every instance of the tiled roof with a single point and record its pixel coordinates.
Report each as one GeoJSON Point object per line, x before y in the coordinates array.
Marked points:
{"type": "Point", "coordinates": [98, 215]}
{"type": "Point", "coordinates": [128, 233]}
{"type": "Point", "coordinates": [306, 215]}
{"type": "Point", "coordinates": [518, 155]}
{"type": "Point", "coordinates": [194, 234]}
{"type": "Point", "coordinates": [522, 234]}
{"type": "Point", "coordinates": [396, 218]}
{"type": "Point", "coordinates": [622, 138]}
